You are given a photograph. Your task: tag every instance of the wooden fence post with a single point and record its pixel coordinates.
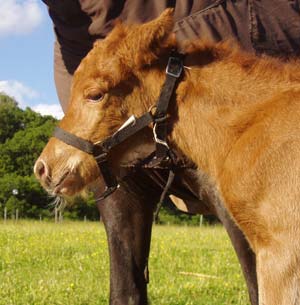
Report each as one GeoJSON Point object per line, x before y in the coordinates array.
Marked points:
{"type": "Point", "coordinates": [60, 217]}
{"type": "Point", "coordinates": [201, 220]}
{"type": "Point", "coordinates": [5, 214]}
{"type": "Point", "coordinates": [55, 215]}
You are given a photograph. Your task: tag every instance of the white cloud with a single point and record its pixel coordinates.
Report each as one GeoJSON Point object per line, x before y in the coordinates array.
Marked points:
{"type": "Point", "coordinates": [25, 97]}
{"type": "Point", "coordinates": [49, 109]}
{"type": "Point", "coordinates": [19, 16]}
{"type": "Point", "coordinates": [18, 91]}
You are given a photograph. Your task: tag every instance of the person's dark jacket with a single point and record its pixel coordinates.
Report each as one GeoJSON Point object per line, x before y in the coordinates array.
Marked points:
{"type": "Point", "coordinates": [270, 26]}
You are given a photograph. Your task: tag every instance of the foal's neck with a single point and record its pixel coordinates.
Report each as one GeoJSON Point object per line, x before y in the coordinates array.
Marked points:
{"type": "Point", "coordinates": [218, 102]}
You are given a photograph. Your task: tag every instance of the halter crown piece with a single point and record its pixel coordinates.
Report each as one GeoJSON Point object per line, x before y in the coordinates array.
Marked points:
{"type": "Point", "coordinates": [163, 154]}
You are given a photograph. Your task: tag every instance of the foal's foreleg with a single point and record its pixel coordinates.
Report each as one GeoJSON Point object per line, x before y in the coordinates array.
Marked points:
{"type": "Point", "coordinates": [264, 201]}
{"type": "Point", "coordinates": [277, 248]}
{"type": "Point", "coordinates": [278, 274]}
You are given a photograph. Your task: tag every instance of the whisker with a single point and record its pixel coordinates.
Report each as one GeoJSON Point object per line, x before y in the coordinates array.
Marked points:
{"type": "Point", "coordinates": [58, 203]}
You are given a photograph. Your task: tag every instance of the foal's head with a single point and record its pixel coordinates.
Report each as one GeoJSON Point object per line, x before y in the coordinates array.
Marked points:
{"type": "Point", "coordinates": [120, 76]}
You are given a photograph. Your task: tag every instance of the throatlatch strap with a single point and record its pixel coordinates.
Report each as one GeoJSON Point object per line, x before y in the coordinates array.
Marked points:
{"type": "Point", "coordinates": [173, 72]}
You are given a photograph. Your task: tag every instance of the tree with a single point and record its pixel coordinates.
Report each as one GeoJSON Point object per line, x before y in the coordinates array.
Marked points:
{"type": "Point", "coordinates": [10, 117]}
{"type": "Point", "coordinates": [30, 199]}
{"type": "Point", "coordinates": [18, 154]}
{"type": "Point", "coordinates": [23, 134]}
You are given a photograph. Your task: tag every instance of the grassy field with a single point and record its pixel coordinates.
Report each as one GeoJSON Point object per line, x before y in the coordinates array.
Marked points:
{"type": "Point", "coordinates": [44, 263]}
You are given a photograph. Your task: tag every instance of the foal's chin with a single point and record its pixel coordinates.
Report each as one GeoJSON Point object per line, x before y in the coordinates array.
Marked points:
{"type": "Point", "coordinates": [76, 182]}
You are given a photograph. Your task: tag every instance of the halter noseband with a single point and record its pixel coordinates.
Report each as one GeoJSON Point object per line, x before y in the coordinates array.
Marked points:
{"type": "Point", "coordinates": [101, 150]}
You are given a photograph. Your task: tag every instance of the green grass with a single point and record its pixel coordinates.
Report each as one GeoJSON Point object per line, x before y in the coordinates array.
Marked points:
{"type": "Point", "coordinates": [44, 263]}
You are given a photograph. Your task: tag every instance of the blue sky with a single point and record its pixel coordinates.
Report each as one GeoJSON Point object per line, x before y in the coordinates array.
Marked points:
{"type": "Point", "coordinates": [26, 55]}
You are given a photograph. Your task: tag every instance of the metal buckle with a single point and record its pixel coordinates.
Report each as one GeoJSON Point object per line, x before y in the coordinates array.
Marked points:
{"type": "Point", "coordinates": [156, 138]}
{"type": "Point", "coordinates": [101, 157]}
{"type": "Point", "coordinates": [174, 67]}
{"type": "Point", "coordinates": [108, 191]}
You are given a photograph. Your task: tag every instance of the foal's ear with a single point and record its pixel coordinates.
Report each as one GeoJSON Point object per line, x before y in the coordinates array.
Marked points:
{"type": "Point", "coordinates": [149, 40]}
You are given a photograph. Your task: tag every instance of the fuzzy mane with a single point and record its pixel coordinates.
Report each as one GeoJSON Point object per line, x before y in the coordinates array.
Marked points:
{"type": "Point", "coordinates": [201, 52]}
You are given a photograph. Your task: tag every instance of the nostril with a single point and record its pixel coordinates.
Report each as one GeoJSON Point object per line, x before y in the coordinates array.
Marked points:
{"type": "Point", "coordinates": [40, 169]}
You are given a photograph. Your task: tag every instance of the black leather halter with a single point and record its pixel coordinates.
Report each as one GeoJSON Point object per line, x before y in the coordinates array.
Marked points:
{"type": "Point", "coordinates": [101, 150]}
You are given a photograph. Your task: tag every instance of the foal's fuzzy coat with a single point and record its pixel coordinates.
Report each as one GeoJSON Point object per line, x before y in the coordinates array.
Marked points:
{"type": "Point", "coordinates": [236, 116]}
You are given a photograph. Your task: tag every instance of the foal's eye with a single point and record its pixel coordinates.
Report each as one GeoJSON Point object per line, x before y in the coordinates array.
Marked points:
{"type": "Point", "coordinates": [95, 97]}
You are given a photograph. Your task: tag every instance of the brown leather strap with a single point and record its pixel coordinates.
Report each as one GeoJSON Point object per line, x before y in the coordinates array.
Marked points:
{"type": "Point", "coordinates": [73, 140]}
